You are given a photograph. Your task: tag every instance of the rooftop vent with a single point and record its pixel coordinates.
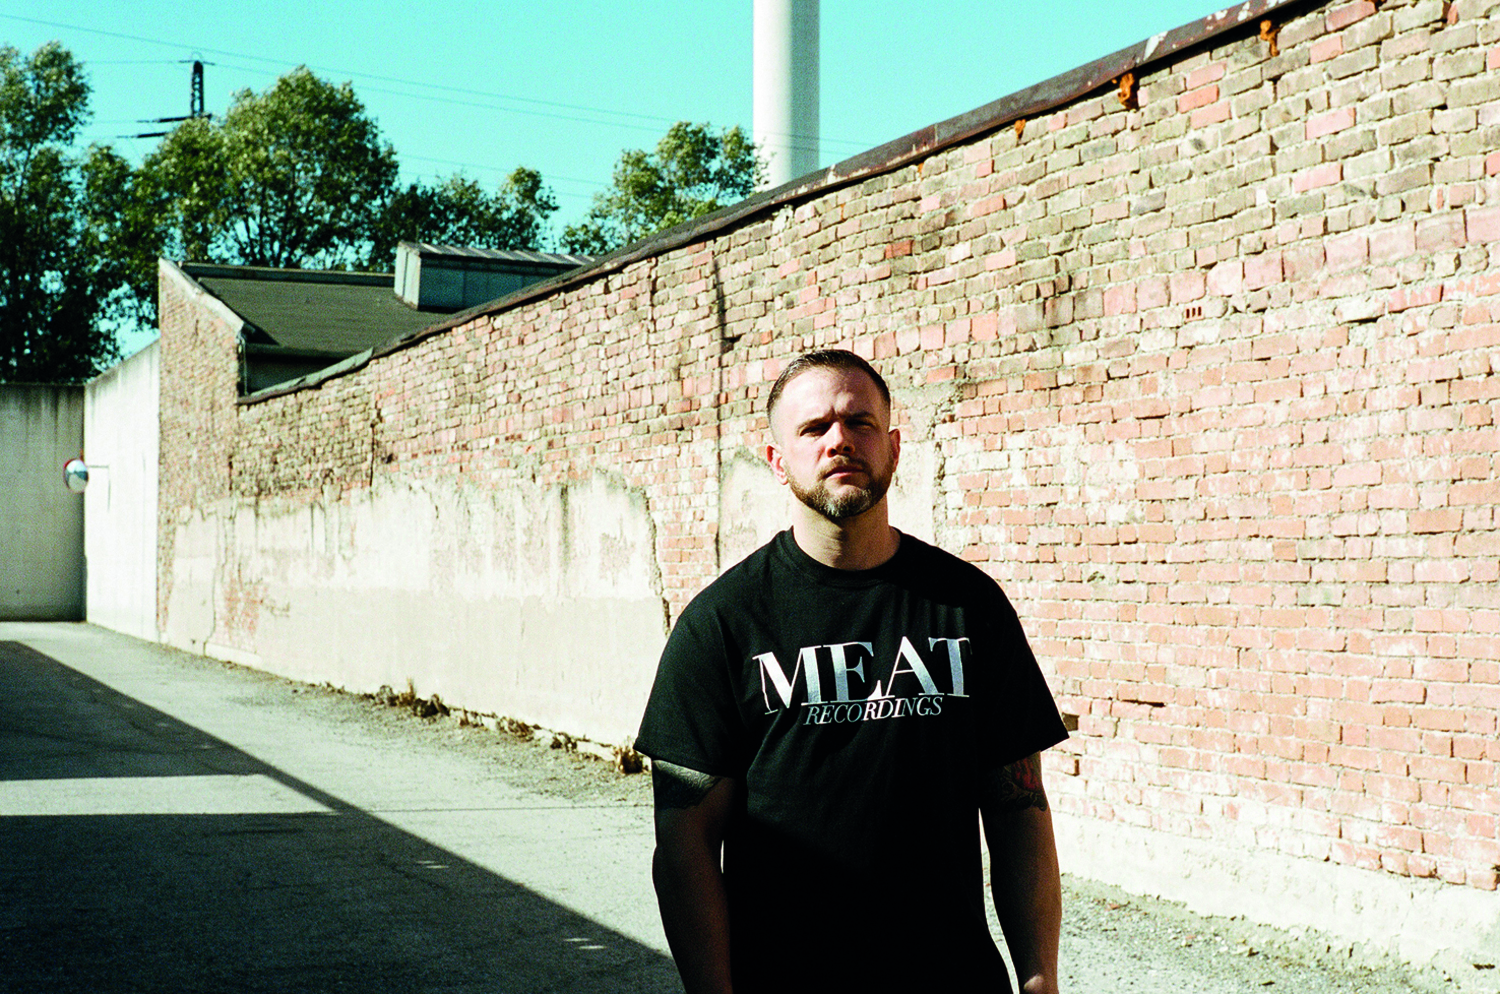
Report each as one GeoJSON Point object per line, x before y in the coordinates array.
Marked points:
{"type": "Point", "coordinates": [452, 278]}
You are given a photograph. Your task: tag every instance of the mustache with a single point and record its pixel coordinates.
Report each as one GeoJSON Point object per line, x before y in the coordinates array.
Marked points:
{"type": "Point", "coordinates": [843, 463]}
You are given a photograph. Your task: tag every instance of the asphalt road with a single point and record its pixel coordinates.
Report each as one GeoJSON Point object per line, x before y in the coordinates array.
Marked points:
{"type": "Point", "coordinates": [170, 823]}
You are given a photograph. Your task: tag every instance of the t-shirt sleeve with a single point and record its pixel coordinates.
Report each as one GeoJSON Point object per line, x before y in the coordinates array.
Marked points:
{"type": "Point", "coordinates": [1024, 718]}
{"type": "Point", "coordinates": [691, 717]}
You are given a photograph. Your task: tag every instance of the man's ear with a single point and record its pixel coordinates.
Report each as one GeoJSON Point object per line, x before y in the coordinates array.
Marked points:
{"type": "Point", "coordinates": [895, 448]}
{"type": "Point", "coordinates": [778, 468]}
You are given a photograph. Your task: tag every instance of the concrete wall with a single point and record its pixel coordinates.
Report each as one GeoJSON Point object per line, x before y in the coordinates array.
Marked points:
{"type": "Point", "coordinates": [1206, 377]}
{"type": "Point", "coordinates": [41, 521]}
{"type": "Point", "coordinates": [121, 442]}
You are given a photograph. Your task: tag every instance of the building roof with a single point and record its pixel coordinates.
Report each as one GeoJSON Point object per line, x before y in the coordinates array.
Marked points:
{"type": "Point", "coordinates": [312, 312]}
{"type": "Point", "coordinates": [457, 253]}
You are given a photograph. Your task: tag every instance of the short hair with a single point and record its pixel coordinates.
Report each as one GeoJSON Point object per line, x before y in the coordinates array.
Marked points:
{"type": "Point", "coordinates": [824, 359]}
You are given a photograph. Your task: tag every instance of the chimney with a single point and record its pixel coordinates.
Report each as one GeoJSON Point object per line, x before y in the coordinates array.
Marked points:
{"type": "Point", "coordinates": [786, 87]}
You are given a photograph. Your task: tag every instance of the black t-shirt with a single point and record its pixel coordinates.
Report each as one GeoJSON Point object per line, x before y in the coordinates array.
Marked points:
{"type": "Point", "coordinates": [857, 709]}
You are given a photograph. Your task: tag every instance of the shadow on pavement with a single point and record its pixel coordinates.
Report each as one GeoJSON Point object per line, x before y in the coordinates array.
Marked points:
{"type": "Point", "coordinates": [335, 900]}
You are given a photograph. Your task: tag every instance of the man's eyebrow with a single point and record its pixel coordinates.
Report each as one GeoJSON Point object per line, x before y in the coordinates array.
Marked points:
{"type": "Point", "coordinates": [818, 419]}
{"type": "Point", "coordinates": [827, 416]}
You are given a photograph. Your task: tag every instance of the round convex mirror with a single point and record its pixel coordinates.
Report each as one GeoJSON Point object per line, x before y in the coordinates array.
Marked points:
{"type": "Point", "coordinates": [76, 475]}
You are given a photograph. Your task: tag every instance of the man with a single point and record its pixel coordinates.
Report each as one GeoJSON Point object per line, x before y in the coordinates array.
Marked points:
{"type": "Point", "coordinates": [834, 711]}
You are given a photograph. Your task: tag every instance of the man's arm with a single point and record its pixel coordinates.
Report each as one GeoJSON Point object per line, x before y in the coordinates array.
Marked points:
{"type": "Point", "coordinates": [1024, 880]}
{"type": "Point", "coordinates": [692, 809]}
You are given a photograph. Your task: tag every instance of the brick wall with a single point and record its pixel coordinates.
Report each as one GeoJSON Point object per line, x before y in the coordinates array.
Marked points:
{"type": "Point", "coordinates": [1208, 384]}
{"type": "Point", "coordinates": [199, 373]}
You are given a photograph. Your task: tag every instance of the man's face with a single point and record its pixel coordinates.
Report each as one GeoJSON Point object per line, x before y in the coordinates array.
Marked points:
{"type": "Point", "coordinates": [833, 444]}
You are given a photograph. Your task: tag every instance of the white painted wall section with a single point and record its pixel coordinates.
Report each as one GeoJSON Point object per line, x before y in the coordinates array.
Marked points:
{"type": "Point", "coordinates": [121, 443]}
{"type": "Point", "coordinates": [535, 602]}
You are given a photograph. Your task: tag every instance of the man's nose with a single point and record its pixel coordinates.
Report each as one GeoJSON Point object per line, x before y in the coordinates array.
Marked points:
{"type": "Point", "coordinates": [837, 439]}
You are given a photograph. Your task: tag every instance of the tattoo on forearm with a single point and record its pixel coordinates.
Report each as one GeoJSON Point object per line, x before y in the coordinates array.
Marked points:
{"type": "Point", "coordinates": [1018, 786]}
{"type": "Point", "coordinates": [674, 786]}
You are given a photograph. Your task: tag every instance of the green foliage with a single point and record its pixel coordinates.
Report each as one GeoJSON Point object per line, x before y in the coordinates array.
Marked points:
{"type": "Point", "coordinates": [184, 188]}
{"type": "Point", "coordinates": [58, 235]}
{"type": "Point", "coordinates": [692, 172]}
{"type": "Point", "coordinates": [297, 176]}
{"type": "Point", "coordinates": [293, 177]}
{"type": "Point", "coordinates": [127, 238]}
{"type": "Point", "coordinates": [458, 211]}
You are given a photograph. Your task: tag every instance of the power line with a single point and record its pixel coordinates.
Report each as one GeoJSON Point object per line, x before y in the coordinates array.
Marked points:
{"type": "Point", "coordinates": [502, 169]}
{"type": "Point", "coordinates": [195, 105]}
{"type": "Point", "coordinates": [422, 84]}
{"type": "Point", "coordinates": [336, 71]}
{"type": "Point", "coordinates": [456, 102]}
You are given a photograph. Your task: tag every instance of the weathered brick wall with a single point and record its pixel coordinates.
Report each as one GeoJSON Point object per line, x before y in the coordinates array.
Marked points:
{"type": "Point", "coordinates": [199, 373]}
{"type": "Point", "coordinates": [1208, 384]}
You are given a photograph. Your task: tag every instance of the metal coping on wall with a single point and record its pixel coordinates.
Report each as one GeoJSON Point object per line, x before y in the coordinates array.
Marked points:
{"type": "Point", "coordinates": [1040, 98]}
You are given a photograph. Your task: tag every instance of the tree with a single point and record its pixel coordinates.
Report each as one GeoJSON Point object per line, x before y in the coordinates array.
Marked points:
{"type": "Point", "coordinates": [459, 212]}
{"type": "Point", "coordinates": [59, 264]}
{"type": "Point", "coordinates": [294, 177]}
{"type": "Point", "coordinates": [185, 186]}
{"type": "Point", "coordinates": [299, 177]}
{"type": "Point", "coordinates": [692, 172]}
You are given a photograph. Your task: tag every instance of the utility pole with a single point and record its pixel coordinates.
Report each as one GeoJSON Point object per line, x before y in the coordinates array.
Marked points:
{"type": "Point", "coordinates": [195, 100]}
{"type": "Point", "coordinates": [195, 105]}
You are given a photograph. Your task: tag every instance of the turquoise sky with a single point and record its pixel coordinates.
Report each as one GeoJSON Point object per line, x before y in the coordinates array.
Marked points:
{"type": "Point", "coordinates": [564, 86]}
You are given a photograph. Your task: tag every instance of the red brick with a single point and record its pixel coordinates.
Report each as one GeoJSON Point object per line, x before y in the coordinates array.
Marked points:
{"type": "Point", "coordinates": [1341, 17]}
{"type": "Point", "coordinates": [1212, 114]}
{"type": "Point", "coordinates": [1330, 122]}
{"type": "Point", "coordinates": [1119, 300]}
{"type": "Point", "coordinates": [1304, 261]}
{"type": "Point", "coordinates": [1401, 298]}
{"type": "Point", "coordinates": [1262, 270]}
{"type": "Point", "coordinates": [1201, 97]}
{"type": "Point", "coordinates": [1211, 73]}
{"type": "Point", "coordinates": [1347, 251]}
{"type": "Point", "coordinates": [1429, 522]}
{"type": "Point", "coordinates": [1226, 278]}
{"type": "Point", "coordinates": [1187, 286]}
{"type": "Point", "coordinates": [1326, 48]}
{"type": "Point", "coordinates": [1482, 224]}
{"type": "Point", "coordinates": [1395, 242]}
{"type": "Point", "coordinates": [1326, 174]}
{"type": "Point", "coordinates": [1440, 231]}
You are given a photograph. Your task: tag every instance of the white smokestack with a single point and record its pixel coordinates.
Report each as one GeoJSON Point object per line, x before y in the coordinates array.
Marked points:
{"type": "Point", "coordinates": [786, 87]}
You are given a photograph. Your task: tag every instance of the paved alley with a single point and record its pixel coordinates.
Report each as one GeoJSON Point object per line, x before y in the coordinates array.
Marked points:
{"type": "Point", "coordinates": [172, 823]}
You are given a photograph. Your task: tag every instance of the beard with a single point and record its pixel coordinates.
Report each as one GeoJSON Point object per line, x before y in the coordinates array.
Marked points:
{"type": "Point", "coordinates": [851, 502]}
